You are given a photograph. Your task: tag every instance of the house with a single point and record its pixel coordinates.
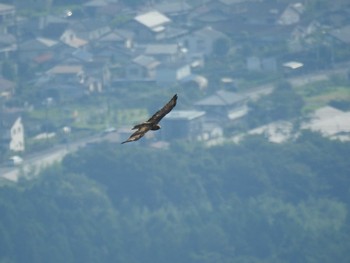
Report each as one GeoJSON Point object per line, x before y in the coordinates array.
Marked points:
{"type": "Point", "coordinates": [7, 88]}
{"type": "Point", "coordinates": [82, 55]}
{"type": "Point", "coordinates": [339, 39]}
{"type": "Point", "coordinates": [93, 6]}
{"type": "Point", "coordinates": [177, 11]}
{"type": "Point", "coordinates": [202, 41]}
{"type": "Point", "coordinates": [90, 29]}
{"type": "Point", "coordinates": [142, 68]}
{"type": "Point", "coordinates": [291, 15]}
{"type": "Point", "coordinates": [105, 9]}
{"type": "Point", "coordinates": [197, 81]}
{"type": "Point", "coordinates": [262, 12]}
{"type": "Point", "coordinates": [149, 27]}
{"type": "Point", "coordinates": [12, 132]}
{"type": "Point", "coordinates": [8, 46]}
{"type": "Point", "coordinates": [171, 73]}
{"type": "Point", "coordinates": [113, 47]}
{"type": "Point", "coordinates": [253, 21]}
{"type": "Point", "coordinates": [164, 52]}
{"type": "Point", "coordinates": [293, 68]}
{"type": "Point", "coordinates": [335, 18]}
{"type": "Point", "coordinates": [342, 34]}
{"type": "Point", "coordinates": [93, 76]}
{"type": "Point", "coordinates": [249, 12]}
{"type": "Point", "coordinates": [268, 64]}
{"type": "Point", "coordinates": [70, 38]}
{"type": "Point", "coordinates": [97, 76]}
{"type": "Point", "coordinates": [183, 124]}
{"type": "Point", "coordinates": [223, 106]}
{"type": "Point", "coordinates": [7, 19]}
{"type": "Point", "coordinates": [303, 36]}
{"type": "Point", "coordinates": [253, 63]}
{"type": "Point", "coordinates": [52, 27]}
{"type": "Point", "coordinates": [63, 92]}
{"type": "Point", "coordinates": [116, 38]}
{"type": "Point", "coordinates": [67, 73]}
{"type": "Point", "coordinates": [209, 14]}
{"type": "Point", "coordinates": [38, 50]}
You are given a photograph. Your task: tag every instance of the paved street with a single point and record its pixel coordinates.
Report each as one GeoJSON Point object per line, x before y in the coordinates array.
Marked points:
{"type": "Point", "coordinates": [34, 163]}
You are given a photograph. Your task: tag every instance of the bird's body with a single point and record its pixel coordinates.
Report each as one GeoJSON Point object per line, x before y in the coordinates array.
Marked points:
{"type": "Point", "coordinates": [153, 123]}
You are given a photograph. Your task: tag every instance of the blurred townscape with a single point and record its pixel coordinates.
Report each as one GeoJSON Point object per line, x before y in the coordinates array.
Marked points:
{"type": "Point", "coordinates": [70, 70]}
{"type": "Point", "coordinates": [251, 166]}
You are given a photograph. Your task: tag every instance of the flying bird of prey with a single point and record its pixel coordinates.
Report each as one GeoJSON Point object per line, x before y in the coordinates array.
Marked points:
{"type": "Point", "coordinates": [152, 123]}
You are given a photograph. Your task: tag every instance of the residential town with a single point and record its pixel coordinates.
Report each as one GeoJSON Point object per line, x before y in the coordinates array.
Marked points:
{"type": "Point", "coordinates": [69, 72]}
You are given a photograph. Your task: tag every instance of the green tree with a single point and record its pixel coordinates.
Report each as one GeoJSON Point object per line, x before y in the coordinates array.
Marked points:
{"type": "Point", "coordinates": [283, 104]}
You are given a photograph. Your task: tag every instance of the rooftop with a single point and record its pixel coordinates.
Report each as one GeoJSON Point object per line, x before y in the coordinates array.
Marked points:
{"type": "Point", "coordinates": [342, 34]}
{"type": "Point", "coordinates": [146, 61]}
{"type": "Point", "coordinates": [47, 42]}
{"type": "Point", "coordinates": [221, 98]}
{"type": "Point", "coordinates": [231, 2]}
{"type": "Point", "coordinates": [329, 121]}
{"type": "Point", "coordinates": [156, 49]}
{"type": "Point", "coordinates": [184, 115]}
{"type": "Point", "coordinates": [66, 69]}
{"type": "Point", "coordinates": [209, 31]}
{"type": "Point", "coordinates": [173, 7]}
{"type": "Point", "coordinates": [6, 8]}
{"type": "Point", "coordinates": [96, 3]}
{"type": "Point", "coordinates": [152, 19]}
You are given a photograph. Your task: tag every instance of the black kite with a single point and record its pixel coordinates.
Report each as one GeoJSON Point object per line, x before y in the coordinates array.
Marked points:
{"type": "Point", "coordinates": [152, 123]}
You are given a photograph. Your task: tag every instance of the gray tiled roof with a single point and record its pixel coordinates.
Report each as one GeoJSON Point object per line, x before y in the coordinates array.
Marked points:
{"type": "Point", "coordinates": [145, 61]}
{"type": "Point", "coordinates": [184, 115]}
{"type": "Point", "coordinates": [152, 19]}
{"type": "Point", "coordinates": [221, 98]}
{"type": "Point", "coordinates": [343, 34]}
{"type": "Point", "coordinates": [161, 49]}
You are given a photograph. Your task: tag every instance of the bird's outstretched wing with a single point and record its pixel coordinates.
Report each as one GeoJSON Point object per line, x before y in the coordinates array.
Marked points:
{"type": "Point", "coordinates": [144, 127]}
{"type": "Point", "coordinates": [163, 111]}
{"type": "Point", "coordinates": [141, 131]}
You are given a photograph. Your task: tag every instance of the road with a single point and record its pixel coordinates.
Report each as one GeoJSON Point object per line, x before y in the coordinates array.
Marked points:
{"type": "Point", "coordinates": [34, 163]}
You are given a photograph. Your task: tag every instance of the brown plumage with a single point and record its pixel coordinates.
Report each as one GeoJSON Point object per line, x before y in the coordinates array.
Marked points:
{"type": "Point", "coordinates": [152, 123]}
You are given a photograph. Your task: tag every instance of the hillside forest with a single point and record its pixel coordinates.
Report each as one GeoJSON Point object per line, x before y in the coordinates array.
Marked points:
{"type": "Point", "coordinates": [250, 202]}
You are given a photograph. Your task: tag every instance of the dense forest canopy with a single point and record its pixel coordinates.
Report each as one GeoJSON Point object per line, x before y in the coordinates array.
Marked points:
{"type": "Point", "coordinates": [252, 202]}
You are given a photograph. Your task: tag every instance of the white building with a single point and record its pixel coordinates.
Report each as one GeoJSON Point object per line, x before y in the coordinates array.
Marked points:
{"type": "Point", "coordinates": [12, 131]}
{"type": "Point", "coordinates": [17, 136]}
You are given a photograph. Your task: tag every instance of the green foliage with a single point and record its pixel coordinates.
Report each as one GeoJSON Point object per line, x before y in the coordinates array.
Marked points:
{"type": "Point", "coordinates": [253, 202]}
{"type": "Point", "coordinates": [322, 93]}
{"type": "Point", "coordinates": [60, 218]}
{"type": "Point", "coordinates": [283, 104]}
{"type": "Point", "coordinates": [227, 203]}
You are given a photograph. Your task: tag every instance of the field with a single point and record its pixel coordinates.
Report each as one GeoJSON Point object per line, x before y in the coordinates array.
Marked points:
{"type": "Point", "coordinates": [319, 94]}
